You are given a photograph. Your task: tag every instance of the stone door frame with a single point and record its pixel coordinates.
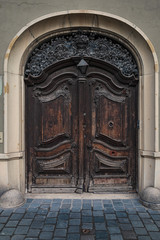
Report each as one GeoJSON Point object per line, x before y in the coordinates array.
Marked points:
{"type": "Point", "coordinates": [12, 162]}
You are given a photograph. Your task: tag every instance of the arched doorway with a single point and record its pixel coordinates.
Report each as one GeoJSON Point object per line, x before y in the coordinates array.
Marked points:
{"type": "Point", "coordinates": [81, 115]}
{"type": "Point", "coordinates": [129, 35]}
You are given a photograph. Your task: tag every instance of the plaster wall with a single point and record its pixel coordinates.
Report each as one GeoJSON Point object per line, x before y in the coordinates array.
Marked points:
{"type": "Point", "coordinates": [15, 14]}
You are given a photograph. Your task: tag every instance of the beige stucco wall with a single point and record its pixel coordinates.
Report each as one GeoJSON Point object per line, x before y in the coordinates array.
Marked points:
{"type": "Point", "coordinates": [14, 14]}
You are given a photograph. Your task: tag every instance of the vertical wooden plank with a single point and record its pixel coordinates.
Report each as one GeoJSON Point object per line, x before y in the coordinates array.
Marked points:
{"type": "Point", "coordinates": [88, 134]}
{"type": "Point", "coordinates": [29, 135]}
{"type": "Point", "coordinates": [81, 127]}
{"type": "Point", "coordinates": [74, 117]}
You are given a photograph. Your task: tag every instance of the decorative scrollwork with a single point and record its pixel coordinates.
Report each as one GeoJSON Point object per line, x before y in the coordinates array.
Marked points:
{"type": "Point", "coordinates": [101, 91]}
{"type": "Point", "coordinates": [82, 44]}
{"type": "Point", "coordinates": [61, 91]}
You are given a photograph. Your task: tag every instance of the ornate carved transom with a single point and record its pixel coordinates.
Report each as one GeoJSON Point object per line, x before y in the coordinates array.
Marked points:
{"type": "Point", "coordinates": [82, 44]}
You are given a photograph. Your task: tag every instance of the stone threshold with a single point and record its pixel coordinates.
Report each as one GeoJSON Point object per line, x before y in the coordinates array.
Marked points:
{"type": "Point", "coordinates": [82, 196]}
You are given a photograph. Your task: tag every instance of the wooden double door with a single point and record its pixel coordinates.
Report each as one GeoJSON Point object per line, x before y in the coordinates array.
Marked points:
{"type": "Point", "coordinates": [81, 128]}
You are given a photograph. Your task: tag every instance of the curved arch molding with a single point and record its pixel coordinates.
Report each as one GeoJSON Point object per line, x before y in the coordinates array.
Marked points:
{"type": "Point", "coordinates": [50, 25]}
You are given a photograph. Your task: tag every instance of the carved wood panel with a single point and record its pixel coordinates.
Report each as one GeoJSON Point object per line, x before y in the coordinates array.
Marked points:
{"type": "Point", "coordinates": [82, 44]}
{"type": "Point", "coordinates": [111, 115]}
{"type": "Point", "coordinates": [53, 157]}
{"type": "Point", "coordinates": [81, 129]}
{"type": "Point", "coordinates": [112, 163]}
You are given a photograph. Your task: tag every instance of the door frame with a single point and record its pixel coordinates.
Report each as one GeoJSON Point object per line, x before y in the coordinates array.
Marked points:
{"type": "Point", "coordinates": [13, 160]}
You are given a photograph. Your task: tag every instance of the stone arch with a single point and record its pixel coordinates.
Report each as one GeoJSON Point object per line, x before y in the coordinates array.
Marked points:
{"type": "Point", "coordinates": [40, 29]}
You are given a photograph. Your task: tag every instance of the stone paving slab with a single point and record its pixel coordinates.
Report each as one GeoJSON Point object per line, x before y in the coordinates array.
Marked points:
{"type": "Point", "coordinates": [80, 219]}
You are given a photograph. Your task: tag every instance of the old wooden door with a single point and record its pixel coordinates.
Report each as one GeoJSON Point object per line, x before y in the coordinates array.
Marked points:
{"type": "Point", "coordinates": [81, 121]}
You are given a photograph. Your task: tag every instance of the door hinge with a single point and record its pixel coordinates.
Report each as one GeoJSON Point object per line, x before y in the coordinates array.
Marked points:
{"type": "Point", "coordinates": [138, 124]}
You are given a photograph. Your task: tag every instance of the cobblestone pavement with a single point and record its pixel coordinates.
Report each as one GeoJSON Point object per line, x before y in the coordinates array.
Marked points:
{"type": "Point", "coordinates": [79, 219]}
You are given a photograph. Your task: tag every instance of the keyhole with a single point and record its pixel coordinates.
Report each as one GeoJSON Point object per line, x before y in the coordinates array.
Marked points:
{"type": "Point", "coordinates": [110, 124]}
